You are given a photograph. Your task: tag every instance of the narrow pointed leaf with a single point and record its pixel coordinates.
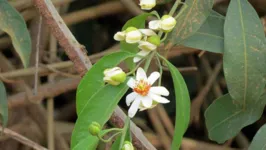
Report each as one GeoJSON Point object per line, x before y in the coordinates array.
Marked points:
{"type": "Point", "coordinates": [258, 142]}
{"type": "Point", "coordinates": [190, 20]}
{"type": "Point", "coordinates": [3, 104]}
{"type": "Point", "coordinates": [182, 105]}
{"type": "Point", "coordinates": [210, 36]}
{"type": "Point", "coordinates": [99, 109]}
{"type": "Point", "coordinates": [224, 119]}
{"type": "Point", "coordinates": [93, 80]}
{"type": "Point", "coordinates": [14, 25]}
{"type": "Point", "coordinates": [244, 56]}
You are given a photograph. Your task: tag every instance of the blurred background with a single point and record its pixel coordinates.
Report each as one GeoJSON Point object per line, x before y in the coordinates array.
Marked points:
{"type": "Point", "coordinates": [48, 117]}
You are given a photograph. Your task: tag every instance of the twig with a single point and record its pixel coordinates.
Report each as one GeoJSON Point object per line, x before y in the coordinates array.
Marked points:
{"type": "Point", "coordinates": [22, 139]}
{"type": "Point", "coordinates": [44, 91]}
{"type": "Point", "coordinates": [108, 8]}
{"type": "Point", "coordinates": [198, 101]}
{"type": "Point", "coordinates": [157, 124]}
{"type": "Point", "coordinates": [76, 52]}
{"type": "Point", "coordinates": [165, 119]}
{"type": "Point", "coordinates": [37, 56]}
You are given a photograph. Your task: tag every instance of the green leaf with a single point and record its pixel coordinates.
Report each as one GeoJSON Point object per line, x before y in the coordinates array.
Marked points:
{"type": "Point", "coordinates": [14, 25]}
{"type": "Point", "coordinates": [210, 36]}
{"type": "Point", "coordinates": [190, 20]}
{"type": "Point", "coordinates": [93, 80]}
{"type": "Point", "coordinates": [99, 109]}
{"type": "Point", "coordinates": [182, 105]}
{"type": "Point", "coordinates": [258, 142]}
{"type": "Point", "coordinates": [225, 120]}
{"type": "Point", "coordinates": [244, 58]}
{"type": "Point", "coordinates": [3, 104]}
{"type": "Point", "coordinates": [138, 22]}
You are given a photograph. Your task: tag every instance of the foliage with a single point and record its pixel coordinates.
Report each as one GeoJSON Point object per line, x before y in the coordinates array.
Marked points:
{"type": "Point", "coordinates": [14, 25]}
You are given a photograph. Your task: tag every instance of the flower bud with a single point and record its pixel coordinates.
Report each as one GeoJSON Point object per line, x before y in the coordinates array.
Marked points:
{"type": "Point", "coordinates": [127, 146]}
{"type": "Point", "coordinates": [114, 76]}
{"type": "Point", "coordinates": [147, 4]}
{"type": "Point", "coordinates": [155, 39]}
{"type": "Point", "coordinates": [146, 46]}
{"type": "Point", "coordinates": [133, 35]}
{"type": "Point", "coordinates": [167, 23]}
{"type": "Point", "coordinates": [120, 36]}
{"type": "Point", "coordinates": [94, 128]}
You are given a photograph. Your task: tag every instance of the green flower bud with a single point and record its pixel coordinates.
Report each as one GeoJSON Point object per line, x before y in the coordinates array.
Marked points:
{"type": "Point", "coordinates": [129, 29]}
{"type": "Point", "coordinates": [127, 146]}
{"type": "Point", "coordinates": [94, 128]}
{"type": "Point", "coordinates": [167, 23]}
{"type": "Point", "coordinates": [114, 76]}
{"type": "Point", "coordinates": [155, 39]}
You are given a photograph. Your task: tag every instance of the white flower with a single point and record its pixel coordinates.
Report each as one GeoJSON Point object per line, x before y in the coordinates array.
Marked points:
{"type": "Point", "coordinates": [166, 23]}
{"type": "Point", "coordinates": [114, 76]}
{"type": "Point", "coordinates": [147, 4]}
{"type": "Point", "coordinates": [143, 95]}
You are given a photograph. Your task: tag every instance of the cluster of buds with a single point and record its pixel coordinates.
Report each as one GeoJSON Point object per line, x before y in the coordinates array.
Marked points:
{"type": "Point", "coordinates": [147, 40]}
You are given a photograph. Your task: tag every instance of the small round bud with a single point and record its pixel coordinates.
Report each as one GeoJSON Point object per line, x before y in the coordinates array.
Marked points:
{"type": "Point", "coordinates": [167, 23]}
{"type": "Point", "coordinates": [155, 39]}
{"type": "Point", "coordinates": [147, 4]}
{"type": "Point", "coordinates": [127, 146]}
{"type": "Point", "coordinates": [120, 36]}
{"type": "Point", "coordinates": [133, 35]}
{"type": "Point", "coordinates": [94, 128]}
{"type": "Point", "coordinates": [114, 76]}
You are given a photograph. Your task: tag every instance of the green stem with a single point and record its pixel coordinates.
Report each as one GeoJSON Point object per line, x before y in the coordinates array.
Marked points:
{"type": "Point", "coordinates": [126, 126]}
{"type": "Point", "coordinates": [160, 68]}
{"type": "Point", "coordinates": [164, 38]}
{"type": "Point", "coordinates": [137, 66]}
{"type": "Point", "coordinates": [148, 61]}
{"type": "Point", "coordinates": [173, 9]}
{"type": "Point", "coordinates": [182, 10]}
{"type": "Point", "coordinates": [109, 139]}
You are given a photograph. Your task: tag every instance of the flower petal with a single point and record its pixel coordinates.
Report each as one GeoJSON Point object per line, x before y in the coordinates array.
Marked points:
{"type": "Point", "coordinates": [134, 107]}
{"type": "Point", "coordinates": [147, 46]}
{"type": "Point", "coordinates": [158, 98]}
{"type": "Point", "coordinates": [147, 32]}
{"type": "Point", "coordinates": [147, 101]}
{"type": "Point", "coordinates": [133, 36]}
{"type": "Point", "coordinates": [159, 90]}
{"type": "Point", "coordinates": [131, 83]}
{"type": "Point", "coordinates": [141, 74]}
{"type": "Point", "coordinates": [141, 53]}
{"type": "Point", "coordinates": [155, 25]}
{"type": "Point", "coordinates": [120, 36]}
{"type": "Point", "coordinates": [130, 98]}
{"type": "Point", "coordinates": [153, 77]}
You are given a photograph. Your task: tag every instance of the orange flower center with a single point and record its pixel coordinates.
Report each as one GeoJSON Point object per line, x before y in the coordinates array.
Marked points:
{"type": "Point", "coordinates": [142, 87]}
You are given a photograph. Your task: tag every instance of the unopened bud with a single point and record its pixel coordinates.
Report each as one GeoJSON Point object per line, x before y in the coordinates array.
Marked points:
{"type": "Point", "coordinates": [127, 146]}
{"type": "Point", "coordinates": [114, 76]}
{"type": "Point", "coordinates": [167, 23]}
{"type": "Point", "coordinates": [94, 128]}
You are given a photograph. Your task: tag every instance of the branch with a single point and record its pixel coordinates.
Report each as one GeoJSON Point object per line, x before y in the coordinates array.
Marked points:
{"type": "Point", "coordinates": [22, 139]}
{"type": "Point", "coordinates": [75, 51]}
{"type": "Point", "coordinates": [77, 55]}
